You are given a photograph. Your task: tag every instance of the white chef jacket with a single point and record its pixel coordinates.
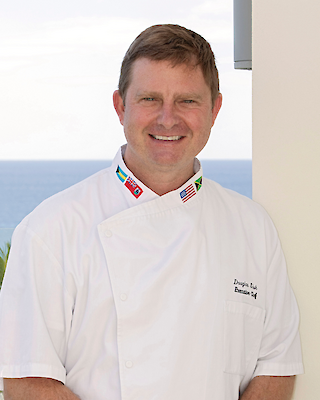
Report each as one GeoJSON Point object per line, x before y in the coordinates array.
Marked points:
{"type": "Point", "coordinates": [122, 294]}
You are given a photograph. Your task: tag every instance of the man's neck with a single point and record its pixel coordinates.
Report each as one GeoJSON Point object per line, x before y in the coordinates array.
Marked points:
{"type": "Point", "coordinates": [161, 180]}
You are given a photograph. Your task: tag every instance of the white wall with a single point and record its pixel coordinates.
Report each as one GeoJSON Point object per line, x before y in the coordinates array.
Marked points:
{"type": "Point", "coordinates": [286, 154]}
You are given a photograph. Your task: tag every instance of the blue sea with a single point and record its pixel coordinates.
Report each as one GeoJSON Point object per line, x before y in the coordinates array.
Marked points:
{"type": "Point", "coordinates": [25, 184]}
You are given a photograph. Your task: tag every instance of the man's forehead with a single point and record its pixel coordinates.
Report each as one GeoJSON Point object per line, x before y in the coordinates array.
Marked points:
{"type": "Point", "coordinates": [152, 75]}
{"type": "Point", "coordinates": [190, 63]}
{"type": "Point", "coordinates": [145, 70]}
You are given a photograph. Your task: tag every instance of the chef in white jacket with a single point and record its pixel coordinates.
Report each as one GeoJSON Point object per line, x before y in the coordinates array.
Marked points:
{"type": "Point", "coordinates": [147, 281]}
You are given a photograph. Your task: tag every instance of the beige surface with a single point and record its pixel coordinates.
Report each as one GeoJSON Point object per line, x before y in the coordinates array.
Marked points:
{"type": "Point", "coordinates": [286, 153]}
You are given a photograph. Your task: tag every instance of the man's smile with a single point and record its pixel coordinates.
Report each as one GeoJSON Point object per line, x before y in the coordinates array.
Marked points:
{"type": "Point", "coordinates": [166, 138]}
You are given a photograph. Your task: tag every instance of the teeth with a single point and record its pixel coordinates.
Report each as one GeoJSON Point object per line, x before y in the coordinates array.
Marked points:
{"type": "Point", "coordinates": [167, 138]}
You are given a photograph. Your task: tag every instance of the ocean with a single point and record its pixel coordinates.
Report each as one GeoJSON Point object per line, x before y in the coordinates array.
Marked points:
{"type": "Point", "coordinates": [25, 184]}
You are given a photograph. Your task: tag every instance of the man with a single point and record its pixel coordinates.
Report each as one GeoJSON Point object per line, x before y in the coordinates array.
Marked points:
{"type": "Point", "coordinates": [147, 281]}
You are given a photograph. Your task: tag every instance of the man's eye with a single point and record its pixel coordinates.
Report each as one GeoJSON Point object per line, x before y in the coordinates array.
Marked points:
{"type": "Point", "coordinates": [148, 99]}
{"type": "Point", "coordinates": [188, 101]}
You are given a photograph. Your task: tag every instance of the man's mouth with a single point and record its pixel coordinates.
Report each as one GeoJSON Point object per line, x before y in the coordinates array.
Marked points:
{"type": "Point", "coordinates": [167, 138]}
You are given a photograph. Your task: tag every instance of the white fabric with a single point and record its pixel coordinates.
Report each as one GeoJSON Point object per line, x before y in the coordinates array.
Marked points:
{"type": "Point", "coordinates": [141, 297]}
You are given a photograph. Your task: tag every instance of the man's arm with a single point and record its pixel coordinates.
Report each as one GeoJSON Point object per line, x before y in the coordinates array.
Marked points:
{"type": "Point", "coordinates": [36, 388]}
{"type": "Point", "coordinates": [269, 388]}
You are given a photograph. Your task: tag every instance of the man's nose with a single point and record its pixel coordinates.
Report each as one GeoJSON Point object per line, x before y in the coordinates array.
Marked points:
{"type": "Point", "coordinates": [168, 117]}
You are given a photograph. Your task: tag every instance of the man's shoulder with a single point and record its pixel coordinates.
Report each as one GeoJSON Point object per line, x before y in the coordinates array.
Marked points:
{"type": "Point", "coordinates": [228, 197]}
{"type": "Point", "coordinates": [234, 205]}
{"type": "Point", "coordinates": [77, 201]}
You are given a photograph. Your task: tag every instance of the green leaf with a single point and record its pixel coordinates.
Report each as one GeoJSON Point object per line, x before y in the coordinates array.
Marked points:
{"type": "Point", "coordinates": [4, 255]}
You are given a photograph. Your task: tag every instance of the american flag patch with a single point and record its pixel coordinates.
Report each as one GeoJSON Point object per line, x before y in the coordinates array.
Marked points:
{"type": "Point", "coordinates": [187, 193]}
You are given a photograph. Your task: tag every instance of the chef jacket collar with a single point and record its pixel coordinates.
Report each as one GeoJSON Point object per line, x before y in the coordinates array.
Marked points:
{"type": "Point", "coordinates": [135, 192]}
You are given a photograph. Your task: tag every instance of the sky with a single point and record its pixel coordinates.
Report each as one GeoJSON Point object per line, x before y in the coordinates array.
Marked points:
{"type": "Point", "coordinates": [60, 63]}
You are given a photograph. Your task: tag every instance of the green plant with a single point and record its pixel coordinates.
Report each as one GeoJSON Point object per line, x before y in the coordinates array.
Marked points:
{"type": "Point", "coordinates": [4, 254]}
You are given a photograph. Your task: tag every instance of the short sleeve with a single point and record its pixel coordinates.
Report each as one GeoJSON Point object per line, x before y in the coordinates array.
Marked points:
{"type": "Point", "coordinates": [35, 311]}
{"type": "Point", "coordinates": [280, 350]}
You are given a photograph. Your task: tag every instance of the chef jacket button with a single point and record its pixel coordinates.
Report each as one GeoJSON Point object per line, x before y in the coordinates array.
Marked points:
{"type": "Point", "coordinates": [129, 364]}
{"type": "Point", "coordinates": [108, 233]}
{"type": "Point", "coordinates": [123, 296]}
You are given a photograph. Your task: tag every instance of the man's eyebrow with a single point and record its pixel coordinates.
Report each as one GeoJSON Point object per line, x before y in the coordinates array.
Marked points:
{"type": "Point", "coordinates": [190, 95]}
{"type": "Point", "coordinates": [186, 96]}
{"type": "Point", "coordinates": [148, 94]}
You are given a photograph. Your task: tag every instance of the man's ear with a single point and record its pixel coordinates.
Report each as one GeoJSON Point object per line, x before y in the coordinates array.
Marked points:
{"type": "Point", "coordinates": [118, 106]}
{"type": "Point", "coordinates": [216, 108]}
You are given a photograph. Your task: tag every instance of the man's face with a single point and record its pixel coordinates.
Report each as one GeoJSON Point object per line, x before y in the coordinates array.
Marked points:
{"type": "Point", "coordinates": [167, 117]}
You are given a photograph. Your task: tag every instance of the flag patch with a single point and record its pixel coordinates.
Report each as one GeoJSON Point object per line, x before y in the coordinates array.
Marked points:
{"type": "Point", "coordinates": [198, 183]}
{"type": "Point", "coordinates": [187, 193]}
{"type": "Point", "coordinates": [129, 183]}
{"type": "Point", "coordinates": [121, 175]}
{"type": "Point", "coordinates": [133, 187]}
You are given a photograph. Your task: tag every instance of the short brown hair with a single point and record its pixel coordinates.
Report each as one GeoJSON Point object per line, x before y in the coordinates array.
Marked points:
{"type": "Point", "coordinates": [175, 44]}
